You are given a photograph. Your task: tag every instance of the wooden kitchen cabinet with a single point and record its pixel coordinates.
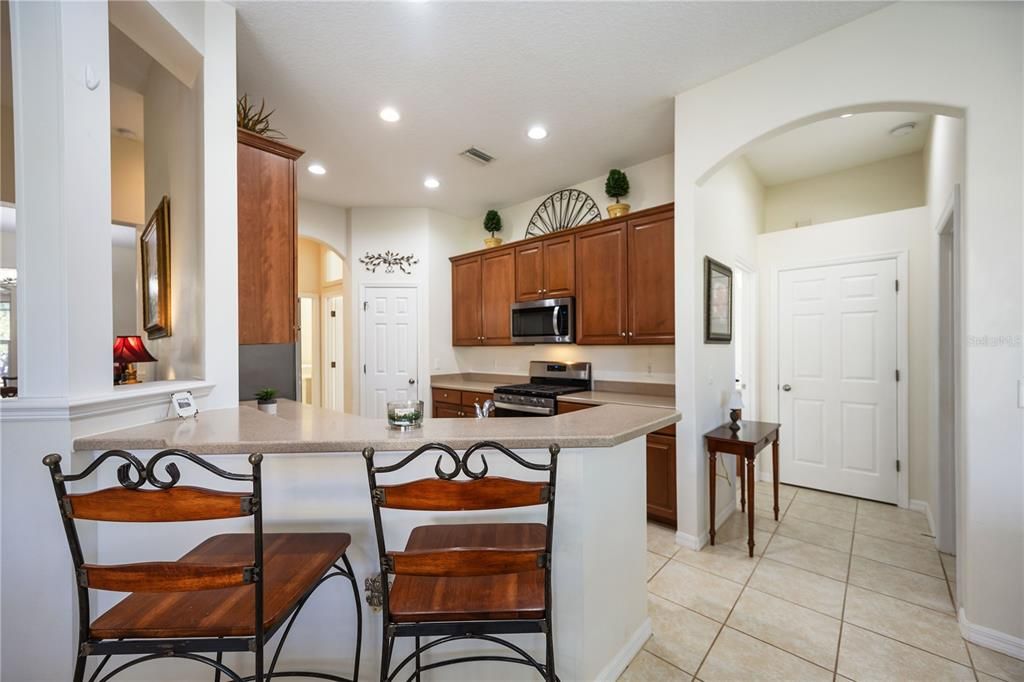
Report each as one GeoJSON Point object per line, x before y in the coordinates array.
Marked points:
{"type": "Point", "coordinates": [466, 302]}
{"type": "Point", "coordinates": [546, 268]}
{"type": "Point", "coordinates": [601, 281]}
{"type": "Point", "coordinates": [565, 408]}
{"type": "Point", "coordinates": [651, 266]}
{"type": "Point", "coordinates": [267, 241]}
{"type": "Point", "coordinates": [483, 290]}
{"type": "Point", "coordinates": [447, 411]}
{"type": "Point", "coordinates": [498, 280]}
{"type": "Point", "coordinates": [661, 479]}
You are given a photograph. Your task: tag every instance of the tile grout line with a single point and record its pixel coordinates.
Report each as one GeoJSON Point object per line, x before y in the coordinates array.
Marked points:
{"type": "Point", "coordinates": [846, 591]}
{"type": "Point", "coordinates": [721, 627]}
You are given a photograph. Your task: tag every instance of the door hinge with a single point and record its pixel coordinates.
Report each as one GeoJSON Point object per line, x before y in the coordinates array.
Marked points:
{"type": "Point", "coordinates": [897, 375]}
{"type": "Point", "coordinates": [334, 313]}
{"type": "Point", "coordinates": [334, 364]}
{"type": "Point", "coordinates": [897, 285]}
{"type": "Point", "coordinates": [366, 305]}
{"type": "Point", "coordinates": [897, 466]}
{"type": "Point", "coordinates": [364, 368]}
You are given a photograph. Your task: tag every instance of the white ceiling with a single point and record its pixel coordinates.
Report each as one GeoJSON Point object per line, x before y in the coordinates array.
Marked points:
{"type": "Point", "coordinates": [835, 144]}
{"type": "Point", "coordinates": [600, 76]}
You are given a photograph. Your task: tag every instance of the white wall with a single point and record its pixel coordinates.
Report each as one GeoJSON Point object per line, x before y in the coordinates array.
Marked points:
{"type": "Point", "coordinates": [650, 184]}
{"type": "Point", "coordinates": [172, 160]}
{"type": "Point", "coordinates": [878, 187]}
{"type": "Point", "coordinates": [730, 208]}
{"type": "Point", "coordinates": [852, 70]}
{"type": "Point", "coordinates": [892, 232]}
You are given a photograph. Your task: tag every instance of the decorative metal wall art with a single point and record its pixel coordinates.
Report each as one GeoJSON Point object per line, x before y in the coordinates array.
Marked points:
{"type": "Point", "coordinates": [390, 260]}
{"type": "Point", "coordinates": [563, 210]}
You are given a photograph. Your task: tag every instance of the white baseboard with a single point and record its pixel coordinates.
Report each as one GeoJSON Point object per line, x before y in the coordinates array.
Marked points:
{"type": "Point", "coordinates": [615, 667]}
{"type": "Point", "coordinates": [922, 506]}
{"type": "Point", "coordinates": [990, 639]}
{"type": "Point", "coordinates": [691, 541]}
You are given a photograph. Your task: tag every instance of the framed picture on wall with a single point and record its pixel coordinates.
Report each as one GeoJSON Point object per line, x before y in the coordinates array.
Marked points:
{"type": "Point", "coordinates": [155, 244]}
{"type": "Point", "coordinates": [717, 302]}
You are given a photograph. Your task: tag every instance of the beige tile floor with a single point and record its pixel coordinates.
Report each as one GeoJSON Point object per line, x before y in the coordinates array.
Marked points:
{"type": "Point", "coordinates": [838, 589]}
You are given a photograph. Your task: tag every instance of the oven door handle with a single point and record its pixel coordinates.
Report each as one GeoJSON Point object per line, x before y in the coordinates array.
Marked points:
{"type": "Point", "coordinates": [522, 408]}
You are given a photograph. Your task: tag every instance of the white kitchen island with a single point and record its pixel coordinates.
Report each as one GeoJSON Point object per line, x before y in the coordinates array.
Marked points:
{"type": "Point", "coordinates": [314, 479]}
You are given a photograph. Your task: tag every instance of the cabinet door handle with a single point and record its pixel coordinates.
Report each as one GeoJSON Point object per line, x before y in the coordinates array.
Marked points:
{"type": "Point", "coordinates": [623, 333]}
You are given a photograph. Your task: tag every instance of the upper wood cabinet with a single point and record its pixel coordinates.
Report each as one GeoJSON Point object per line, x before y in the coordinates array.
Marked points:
{"type": "Point", "coordinates": [498, 278]}
{"type": "Point", "coordinates": [621, 271]}
{"type": "Point", "coordinates": [267, 241]}
{"type": "Point", "coordinates": [483, 290]}
{"type": "Point", "coordinates": [466, 302]}
{"type": "Point", "coordinates": [651, 255]}
{"type": "Point", "coordinates": [546, 268]}
{"type": "Point", "coordinates": [601, 301]}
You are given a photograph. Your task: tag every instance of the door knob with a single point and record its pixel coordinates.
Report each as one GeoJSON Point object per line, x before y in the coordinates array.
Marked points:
{"type": "Point", "coordinates": [787, 387]}
{"type": "Point", "coordinates": [412, 381]}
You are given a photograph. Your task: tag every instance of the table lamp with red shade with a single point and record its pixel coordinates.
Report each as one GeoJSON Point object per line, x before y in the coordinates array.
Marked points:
{"type": "Point", "coordinates": [127, 351]}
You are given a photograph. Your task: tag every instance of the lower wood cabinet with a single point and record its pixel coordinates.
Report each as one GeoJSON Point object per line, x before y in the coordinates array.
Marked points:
{"type": "Point", "coordinates": [661, 478]}
{"type": "Point", "coordinates": [451, 404]}
{"type": "Point", "coordinates": [446, 411]}
{"type": "Point", "coordinates": [564, 407]}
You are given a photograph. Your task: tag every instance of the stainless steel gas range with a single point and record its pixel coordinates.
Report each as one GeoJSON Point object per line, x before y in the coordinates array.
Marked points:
{"type": "Point", "coordinates": [539, 398]}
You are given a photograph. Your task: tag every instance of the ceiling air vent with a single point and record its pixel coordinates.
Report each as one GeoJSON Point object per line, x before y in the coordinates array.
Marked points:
{"type": "Point", "coordinates": [478, 155]}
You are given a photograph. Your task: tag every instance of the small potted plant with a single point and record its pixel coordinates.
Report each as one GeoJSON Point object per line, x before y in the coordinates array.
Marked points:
{"type": "Point", "coordinates": [492, 223]}
{"type": "Point", "coordinates": [266, 401]}
{"type": "Point", "coordinates": [616, 187]}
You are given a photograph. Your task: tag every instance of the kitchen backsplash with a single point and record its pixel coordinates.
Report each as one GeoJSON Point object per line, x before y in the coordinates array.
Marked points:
{"type": "Point", "coordinates": [647, 364]}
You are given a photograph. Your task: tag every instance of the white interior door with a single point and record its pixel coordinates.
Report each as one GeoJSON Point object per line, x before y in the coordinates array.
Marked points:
{"type": "Point", "coordinates": [333, 365]}
{"type": "Point", "coordinates": [389, 348]}
{"type": "Point", "coordinates": [838, 397]}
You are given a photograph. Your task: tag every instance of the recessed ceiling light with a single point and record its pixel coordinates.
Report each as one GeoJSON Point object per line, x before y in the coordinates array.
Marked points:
{"type": "Point", "coordinates": [317, 169]}
{"type": "Point", "coordinates": [903, 129]}
{"type": "Point", "coordinates": [537, 133]}
{"type": "Point", "coordinates": [431, 183]}
{"type": "Point", "coordinates": [845, 115]}
{"type": "Point", "coordinates": [390, 114]}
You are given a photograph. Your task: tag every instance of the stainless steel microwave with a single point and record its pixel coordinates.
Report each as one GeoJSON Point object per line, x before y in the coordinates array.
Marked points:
{"type": "Point", "coordinates": [551, 320]}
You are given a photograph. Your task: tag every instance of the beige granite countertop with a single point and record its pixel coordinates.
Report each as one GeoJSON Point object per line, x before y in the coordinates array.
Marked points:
{"type": "Point", "coordinates": [302, 428]}
{"type": "Point", "coordinates": [599, 397]}
{"type": "Point", "coordinates": [615, 398]}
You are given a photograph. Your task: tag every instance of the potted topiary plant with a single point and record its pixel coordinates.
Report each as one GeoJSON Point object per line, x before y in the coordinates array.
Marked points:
{"type": "Point", "coordinates": [266, 401]}
{"type": "Point", "coordinates": [616, 187]}
{"type": "Point", "coordinates": [492, 223]}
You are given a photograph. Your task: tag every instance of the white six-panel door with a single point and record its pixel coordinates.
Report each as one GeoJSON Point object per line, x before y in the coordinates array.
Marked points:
{"type": "Point", "coordinates": [389, 348]}
{"type": "Point", "coordinates": [838, 397]}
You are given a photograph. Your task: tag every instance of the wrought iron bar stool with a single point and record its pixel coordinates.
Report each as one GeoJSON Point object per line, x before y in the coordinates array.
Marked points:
{"type": "Point", "coordinates": [467, 581]}
{"type": "Point", "coordinates": [232, 592]}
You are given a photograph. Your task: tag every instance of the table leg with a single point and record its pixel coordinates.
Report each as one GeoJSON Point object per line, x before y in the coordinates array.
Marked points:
{"type": "Point", "coordinates": [743, 484]}
{"type": "Point", "coordinates": [775, 473]}
{"type": "Point", "coordinates": [712, 474]}
{"type": "Point", "coordinates": [750, 507]}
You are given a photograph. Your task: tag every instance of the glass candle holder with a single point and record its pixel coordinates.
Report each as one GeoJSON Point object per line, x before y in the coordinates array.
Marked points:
{"type": "Point", "coordinates": [405, 414]}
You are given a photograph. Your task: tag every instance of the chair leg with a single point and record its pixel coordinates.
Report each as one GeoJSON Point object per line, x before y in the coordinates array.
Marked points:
{"type": "Point", "coordinates": [258, 677]}
{"type": "Point", "coordinates": [79, 669]}
{"type": "Point", "coordinates": [417, 658]}
{"type": "Point", "coordinates": [385, 654]}
{"type": "Point", "coordinates": [359, 616]}
{"type": "Point", "coordinates": [549, 663]}
{"type": "Point", "coordinates": [216, 671]}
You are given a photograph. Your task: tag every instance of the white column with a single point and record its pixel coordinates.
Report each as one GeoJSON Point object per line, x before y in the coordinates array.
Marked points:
{"type": "Point", "coordinates": [219, 207]}
{"type": "Point", "coordinates": [62, 171]}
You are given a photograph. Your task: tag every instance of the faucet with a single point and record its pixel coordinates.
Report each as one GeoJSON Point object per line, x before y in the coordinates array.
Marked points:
{"type": "Point", "coordinates": [486, 410]}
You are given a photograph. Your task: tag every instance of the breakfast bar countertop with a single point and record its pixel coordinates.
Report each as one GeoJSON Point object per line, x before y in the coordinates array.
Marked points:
{"type": "Point", "coordinates": [299, 428]}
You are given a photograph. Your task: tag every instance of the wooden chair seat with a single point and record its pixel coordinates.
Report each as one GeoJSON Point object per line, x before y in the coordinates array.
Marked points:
{"type": "Point", "coordinates": [293, 563]}
{"type": "Point", "coordinates": [496, 597]}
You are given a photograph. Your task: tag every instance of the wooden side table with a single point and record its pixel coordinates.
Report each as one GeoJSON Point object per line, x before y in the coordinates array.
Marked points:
{"type": "Point", "coordinates": [750, 439]}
